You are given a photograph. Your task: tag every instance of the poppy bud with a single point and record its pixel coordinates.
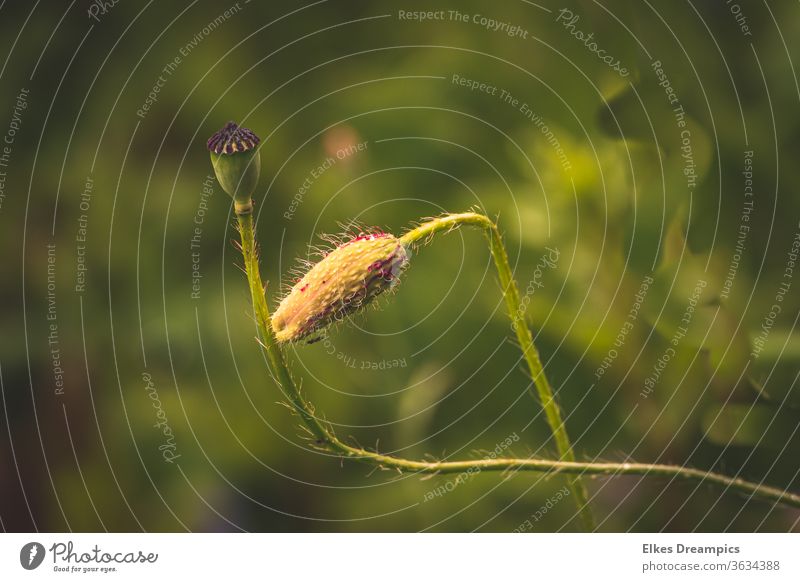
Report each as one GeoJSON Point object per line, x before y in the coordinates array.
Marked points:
{"type": "Point", "coordinates": [237, 163]}
{"type": "Point", "coordinates": [344, 281]}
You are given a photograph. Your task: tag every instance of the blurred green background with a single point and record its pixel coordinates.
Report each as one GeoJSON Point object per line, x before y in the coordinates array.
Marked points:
{"type": "Point", "coordinates": [123, 98]}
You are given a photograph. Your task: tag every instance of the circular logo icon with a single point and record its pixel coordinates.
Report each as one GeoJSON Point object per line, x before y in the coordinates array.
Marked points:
{"type": "Point", "coordinates": [31, 555]}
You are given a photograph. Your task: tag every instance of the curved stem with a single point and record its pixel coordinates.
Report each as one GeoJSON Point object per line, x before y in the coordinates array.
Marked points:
{"type": "Point", "coordinates": [277, 362]}
{"type": "Point", "coordinates": [325, 438]}
{"type": "Point", "coordinates": [523, 333]}
{"type": "Point", "coordinates": [764, 492]}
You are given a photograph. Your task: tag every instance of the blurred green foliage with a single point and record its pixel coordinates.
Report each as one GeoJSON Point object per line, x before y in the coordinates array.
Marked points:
{"type": "Point", "coordinates": [432, 371]}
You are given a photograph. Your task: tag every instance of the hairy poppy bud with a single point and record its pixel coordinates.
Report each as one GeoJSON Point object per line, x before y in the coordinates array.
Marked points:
{"type": "Point", "coordinates": [344, 281]}
{"type": "Point", "coordinates": [237, 164]}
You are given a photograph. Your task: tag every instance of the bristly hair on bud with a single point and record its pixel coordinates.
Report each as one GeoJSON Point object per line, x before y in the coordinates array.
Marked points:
{"type": "Point", "coordinates": [237, 163]}
{"type": "Point", "coordinates": [347, 278]}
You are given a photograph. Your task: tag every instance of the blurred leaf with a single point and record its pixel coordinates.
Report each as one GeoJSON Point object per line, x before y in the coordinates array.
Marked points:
{"type": "Point", "coordinates": [739, 425]}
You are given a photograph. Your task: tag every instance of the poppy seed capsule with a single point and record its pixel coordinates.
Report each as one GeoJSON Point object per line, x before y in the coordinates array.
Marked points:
{"type": "Point", "coordinates": [344, 281]}
{"type": "Point", "coordinates": [234, 155]}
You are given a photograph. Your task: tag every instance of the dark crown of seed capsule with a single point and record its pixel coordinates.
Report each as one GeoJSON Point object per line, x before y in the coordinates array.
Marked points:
{"type": "Point", "coordinates": [232, 139]}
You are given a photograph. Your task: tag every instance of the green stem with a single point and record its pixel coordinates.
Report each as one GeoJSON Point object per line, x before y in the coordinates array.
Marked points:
{"type": "Point", "coordinates": [529, 352]}
{"type": "Point", "coordinates": [275, 355]}
{"type": "Point", "coordinates": [325, 438]}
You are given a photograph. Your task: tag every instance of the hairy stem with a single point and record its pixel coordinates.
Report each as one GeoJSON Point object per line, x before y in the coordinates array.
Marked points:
{"type": "Point", "coordinates": [277, 361]}
{"type": "Point", "coordinates": [326, 439]}
{"type": "Point", "coordinates": [523, 333]}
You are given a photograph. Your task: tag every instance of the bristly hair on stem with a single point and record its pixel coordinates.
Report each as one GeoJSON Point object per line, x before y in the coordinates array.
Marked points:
{"type": "Point", "coordinates": [324, 438]}
{"type": "Point", "coordinates": [508, 287]}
